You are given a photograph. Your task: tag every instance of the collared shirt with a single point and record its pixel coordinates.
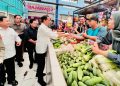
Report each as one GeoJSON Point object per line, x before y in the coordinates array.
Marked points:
{"type": "Point", "coordinates": [31, 33]}
{"type": "Point", "coordinates": [43, 37]}
{"type": "Point", "coordinates": [2, 51]}
{"type": "Point", "coordinates": [82, 28]}
{"type": "Point", "coordinates": [19, 28]}
{"type": "Point", "coordinates": [9, 37]}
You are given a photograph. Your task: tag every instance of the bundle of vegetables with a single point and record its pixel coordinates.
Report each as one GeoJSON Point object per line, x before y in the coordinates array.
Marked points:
{"type": "Point", "coordinates": [57, 43]}
{"type": "Point", "coordinates": [105, 64]}
{"type": "Point", "coordinates": [77, 69]}
{"type": "Point", "coordinates": [113, 77]}
{"type": "Point", "coordinates": [110, 70]}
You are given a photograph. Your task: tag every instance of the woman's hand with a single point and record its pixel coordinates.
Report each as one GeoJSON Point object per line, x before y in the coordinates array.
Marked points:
{"type": "Point", "coordinates": [95, 48]}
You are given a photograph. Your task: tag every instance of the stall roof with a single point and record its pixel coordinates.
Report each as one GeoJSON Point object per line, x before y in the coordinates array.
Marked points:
{"type": "Point", "coordinates": [98, 6]}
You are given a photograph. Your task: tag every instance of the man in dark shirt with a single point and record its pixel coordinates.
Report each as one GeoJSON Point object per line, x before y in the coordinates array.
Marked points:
{"type": "Point", "coordinates": [53, 26]}
{"type": "Point", "coordinates": [82, 25]}
{"type": "Point", "coordinates": [31, 37]}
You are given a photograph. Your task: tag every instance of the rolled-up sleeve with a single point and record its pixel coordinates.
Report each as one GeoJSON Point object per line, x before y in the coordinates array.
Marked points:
{"type": "Point", "coordinates": [102, 32]}
{"type": "Point", "coordinates": [50, 33]}
{"type": "Point", "coordinates": [105, 40]}
{"type": "Point", "coordinates": [17, 38]}
{"type": "Point", "coordinates": [114, 57]}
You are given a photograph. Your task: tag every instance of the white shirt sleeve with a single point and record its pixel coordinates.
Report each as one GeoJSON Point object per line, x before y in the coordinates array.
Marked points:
{"type": "Point", "coordinates": [48, 32]}
{"type": "Point", "coordinates": [17, 38]}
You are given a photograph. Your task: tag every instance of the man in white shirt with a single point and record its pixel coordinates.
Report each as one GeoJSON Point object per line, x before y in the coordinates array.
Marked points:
{"type": "Point", "coordinates": [2, 55]}
{"type": "Point", "coordinates": [9, 37]}
{"type": "Point", "coordinates": [43, 38]}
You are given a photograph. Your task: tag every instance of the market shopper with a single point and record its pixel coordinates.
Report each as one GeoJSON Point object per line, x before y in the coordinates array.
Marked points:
{"type": "Point", "coordinates": [2, 55]}
{"type": "Point", "coordinates": [9, 37]}
{"type": "Point", "coordinates": [112, 37]}
{"type": "Point", "coordinates": [43, 38]}
{"type": "Point", "coordinates": [31, 37]}
{"type": "Point", "coordinates": [19, 28]}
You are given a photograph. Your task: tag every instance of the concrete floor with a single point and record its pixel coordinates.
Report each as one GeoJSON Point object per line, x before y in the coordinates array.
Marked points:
{"type": "Point", "coordinates": [30, 79]}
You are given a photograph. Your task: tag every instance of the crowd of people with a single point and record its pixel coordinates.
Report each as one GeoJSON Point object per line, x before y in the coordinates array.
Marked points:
{"type": "Point", "coordinates": [33, 36]}
{"type": "Point", "coordinates": [20, 36]}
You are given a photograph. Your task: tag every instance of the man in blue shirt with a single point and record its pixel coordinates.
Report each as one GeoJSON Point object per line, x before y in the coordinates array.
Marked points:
{"type": "Point", "coordinates": [95, 31]}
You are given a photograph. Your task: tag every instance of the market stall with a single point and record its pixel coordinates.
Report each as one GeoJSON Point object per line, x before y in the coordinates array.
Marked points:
{"type": "Point", "coordinates": [74, 64]}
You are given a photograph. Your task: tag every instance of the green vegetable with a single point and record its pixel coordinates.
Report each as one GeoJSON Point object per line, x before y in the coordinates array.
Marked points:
{"type": "Point", "coordinates": [70, 69]}
{"type": "Point", "coordinates": [106, 82]}
{"type": "Point", "coordinates": [76, 64]}
{"type": "Point", "coordinates": [85, 78]}
{"type": "Point", "coordinates": [79, 73]}
{"type": "Point", "coordinates": [85, 72]}
{"type": "Point", "coordinates": [74, 83]}
{"type": "Point", "coordinates": [70, 79]}
{"type": "Point", "coordinates": [93, 81]}
{"type": "Point", "coordinates": [86, 66]}
{"type": "Point", "coordinates": [81, 84]}
{"type": "Point", "coordinates": [74, 73]}
{"type": "Point", "coordinates": [100, 85]}
{"type": "Point", "coordinates": [65, 74]}
{"type": "Point", "coordinates": [94, 71]}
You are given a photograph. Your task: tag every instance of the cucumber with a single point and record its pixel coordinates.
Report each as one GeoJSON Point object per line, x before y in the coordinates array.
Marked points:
{"type": "Point", "coordinates": [93, 81]}
{"type": "Point", "coordinates": [82, 66]}
{"type": "Point", "coordinates": [70, 69]}
{"type": "Point", "coordinates": [94, 71]}
{"type": "Point", "coordinates": [81, 84]}
{"type": "Point", "coordinates": [74, 83]}
{"type": "Point", "coordinates": [91, 75]}
{"type": "Point", "coordinates": [79, 73]}
{"type": "Point", "coordinates": [85, 72]}
{"type": "Point", "coordinates": [85, 78]}
{"type": "Point", "coordinates": [76, 64]}
{"type": "Point", "coordinates": [100, 85]}
{"type": "Point", "coordinates": [74, 73]}
{"type": "Point", "coordinates": [86, 66]}
{"type": "Point", "coordinates": [70, 79]}
{"type": "Point", "coordinates": [98, 72]}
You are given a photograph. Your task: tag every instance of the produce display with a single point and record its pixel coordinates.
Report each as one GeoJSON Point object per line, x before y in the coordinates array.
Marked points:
{"type": "Point", "coordinates": [58, 42]}
{"type": "Point", "coordinates": [81, 67]}
{"type": "Point", "coordinates": [77, 68]}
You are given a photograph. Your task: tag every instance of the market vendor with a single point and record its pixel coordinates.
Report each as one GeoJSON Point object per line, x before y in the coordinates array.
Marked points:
{"type": "Point", "coordinates": [112, 37]}
{"type": "Point", "coordinates": [95, 31]}
{"type": "Point", "coordinates": [2, 55]}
